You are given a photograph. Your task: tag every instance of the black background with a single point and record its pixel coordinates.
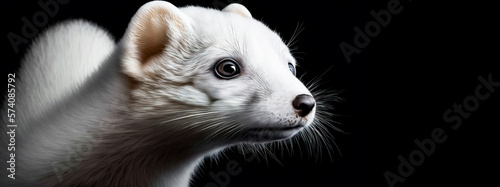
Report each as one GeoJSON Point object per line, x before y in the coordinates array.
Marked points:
{"type": "Point", "coordinates": [396, 90]}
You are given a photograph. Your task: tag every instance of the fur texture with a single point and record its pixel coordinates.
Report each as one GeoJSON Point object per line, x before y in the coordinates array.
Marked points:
{"type": "Point", "coordinates": [146, 111]}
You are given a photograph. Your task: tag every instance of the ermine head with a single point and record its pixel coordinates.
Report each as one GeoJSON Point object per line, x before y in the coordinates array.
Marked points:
{"type": "Point", "coordinates": [222, 74]}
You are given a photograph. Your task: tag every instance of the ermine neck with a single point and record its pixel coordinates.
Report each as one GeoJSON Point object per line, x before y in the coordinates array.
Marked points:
{"type": "Point", "coordinates": [129, 157]}
{"type": "Point", "coordinates": [132, 152]}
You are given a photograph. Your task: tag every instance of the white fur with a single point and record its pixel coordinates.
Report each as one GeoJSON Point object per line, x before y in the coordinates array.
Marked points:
{"type": "Point", "coordinates": [76, 94]}
{"type": "Point", "coordinates": [65, 56]}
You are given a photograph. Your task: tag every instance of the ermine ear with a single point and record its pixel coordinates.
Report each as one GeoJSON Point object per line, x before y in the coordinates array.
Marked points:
{"type": "Point", "coordinates": [156, 26]}
{"type": "Point", "coordinates": [238, 9]}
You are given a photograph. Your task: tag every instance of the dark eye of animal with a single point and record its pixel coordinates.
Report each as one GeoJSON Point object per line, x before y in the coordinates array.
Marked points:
{"type": "Point", "coordinates": [292, 68]}
{"type": "Point", "coordinates": [227, 69]}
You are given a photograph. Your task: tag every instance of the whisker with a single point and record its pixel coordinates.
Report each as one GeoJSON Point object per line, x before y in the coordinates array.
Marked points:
{"type": "Point", "coordinates": [293, 40]}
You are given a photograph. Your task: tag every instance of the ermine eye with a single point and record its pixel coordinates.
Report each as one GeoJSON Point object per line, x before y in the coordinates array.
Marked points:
{"type": "Point", "coordinates": [227, 69]}
{"type": "Point", "coordinates": [292, 68]}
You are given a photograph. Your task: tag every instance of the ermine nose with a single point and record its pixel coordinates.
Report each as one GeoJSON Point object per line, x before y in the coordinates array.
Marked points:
{"type": "Point", "coordinates": [303, 103]}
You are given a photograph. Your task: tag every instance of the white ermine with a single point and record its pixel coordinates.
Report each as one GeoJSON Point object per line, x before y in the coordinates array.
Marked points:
{"type": "Point", "coordinates": [181, 84]}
